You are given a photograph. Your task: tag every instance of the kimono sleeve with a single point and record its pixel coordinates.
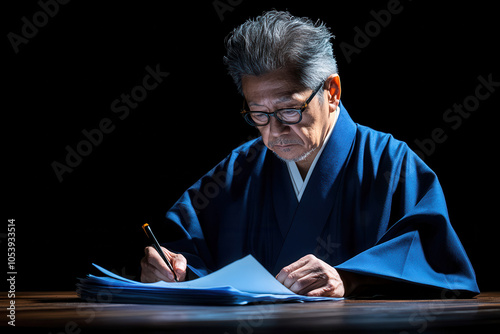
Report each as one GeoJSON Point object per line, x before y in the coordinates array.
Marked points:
{"type": "Point", "coordinates": [201, 214]}
{"type": "Point", "coordinates": [189, 217]}
{"type": "Point", "coordinates": [420, 247]}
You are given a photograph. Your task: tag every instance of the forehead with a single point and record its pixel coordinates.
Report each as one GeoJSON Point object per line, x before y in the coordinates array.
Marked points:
{"type": "Point", "coordinates": [274, 87]}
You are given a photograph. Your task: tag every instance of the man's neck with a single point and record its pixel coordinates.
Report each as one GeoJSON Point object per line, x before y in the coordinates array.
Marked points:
{"type": "Point", "coordinates": [305, 164]}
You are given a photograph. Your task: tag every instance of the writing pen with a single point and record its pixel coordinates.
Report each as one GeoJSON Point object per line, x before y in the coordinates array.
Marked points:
{"type": "Point", "coordinates": [156, 245]}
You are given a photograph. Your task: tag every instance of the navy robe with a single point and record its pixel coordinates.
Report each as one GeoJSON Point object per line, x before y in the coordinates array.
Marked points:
{"type": "Point", "coordinates": [371, 207]}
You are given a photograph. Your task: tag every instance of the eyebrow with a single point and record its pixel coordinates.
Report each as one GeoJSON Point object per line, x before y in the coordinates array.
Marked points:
{"type": "Point", "coordinates": [284, 98]}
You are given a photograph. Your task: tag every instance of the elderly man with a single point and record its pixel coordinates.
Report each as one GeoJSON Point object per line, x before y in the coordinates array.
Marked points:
{"type": "Point", "coordinates": [331, 207]}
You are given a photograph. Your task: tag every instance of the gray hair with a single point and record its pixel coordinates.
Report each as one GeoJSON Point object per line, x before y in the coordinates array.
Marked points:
{"type": "Point", "coordinates": [277, 40]}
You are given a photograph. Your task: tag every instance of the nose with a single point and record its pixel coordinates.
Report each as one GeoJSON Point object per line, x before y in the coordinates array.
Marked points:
{"type": "Point", "coordinates": [276, 128]}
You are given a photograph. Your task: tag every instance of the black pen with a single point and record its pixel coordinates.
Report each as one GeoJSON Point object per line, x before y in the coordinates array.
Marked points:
{"type": "Point", "coordinates": [156, 245]}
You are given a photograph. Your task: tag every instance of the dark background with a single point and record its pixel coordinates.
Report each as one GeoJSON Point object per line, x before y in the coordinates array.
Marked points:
{"type": "Point", "coordinates": [64, 79]}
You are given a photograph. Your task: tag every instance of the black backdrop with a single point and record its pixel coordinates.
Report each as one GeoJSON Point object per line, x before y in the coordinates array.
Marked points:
{"type": "Point", "coordinates": [400, 75]}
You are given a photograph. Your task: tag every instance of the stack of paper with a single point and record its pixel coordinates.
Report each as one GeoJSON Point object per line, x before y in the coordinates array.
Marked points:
{"type": "Point", "coordinates": [241, 282]}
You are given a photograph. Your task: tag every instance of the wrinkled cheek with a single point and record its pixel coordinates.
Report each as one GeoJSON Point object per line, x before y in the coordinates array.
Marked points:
{"type": "Point", "coordinates": [265, 136]}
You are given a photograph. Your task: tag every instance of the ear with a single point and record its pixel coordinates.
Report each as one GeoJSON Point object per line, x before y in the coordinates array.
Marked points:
{"type": "Point", "coordinates": [333, 87]}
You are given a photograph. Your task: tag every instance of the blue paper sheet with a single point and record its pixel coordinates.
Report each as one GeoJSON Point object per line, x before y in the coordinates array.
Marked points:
{"type": "Point", "coordinates": [241, 282]}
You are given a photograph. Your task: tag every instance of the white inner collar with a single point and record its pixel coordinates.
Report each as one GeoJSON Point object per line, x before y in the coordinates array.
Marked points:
{"type": "Point", "coordinates": [299, 184]}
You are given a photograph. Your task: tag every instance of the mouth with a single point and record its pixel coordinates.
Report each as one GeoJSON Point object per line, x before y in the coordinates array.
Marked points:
{"type": "Point", "coordinates": [283, 148]}
{"type": "Point", "coordinates": [284, 145]}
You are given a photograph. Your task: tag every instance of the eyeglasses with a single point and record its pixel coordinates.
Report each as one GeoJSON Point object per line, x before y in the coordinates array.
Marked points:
{"type": "Point", "coordinates": [285, 116]}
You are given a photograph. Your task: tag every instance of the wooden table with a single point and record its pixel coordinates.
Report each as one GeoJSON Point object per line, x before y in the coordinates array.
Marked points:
{"type": "Point", "coordinates": [63, 312]}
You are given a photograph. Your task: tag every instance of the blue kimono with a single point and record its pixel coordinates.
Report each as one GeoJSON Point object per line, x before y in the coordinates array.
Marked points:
{"type": "Point", "coordinates": [371, 207]}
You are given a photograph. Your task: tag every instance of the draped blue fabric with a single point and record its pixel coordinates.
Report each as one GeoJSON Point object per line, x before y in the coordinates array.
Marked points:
{"type": "Point", "coordinates": [371, 206]}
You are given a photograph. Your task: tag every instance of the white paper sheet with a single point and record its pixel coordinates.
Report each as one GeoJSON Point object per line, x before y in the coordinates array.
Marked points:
{"type": "Point", "coordinates": [241, 282]}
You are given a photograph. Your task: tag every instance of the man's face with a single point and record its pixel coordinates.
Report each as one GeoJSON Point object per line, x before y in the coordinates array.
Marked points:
{"type": "Point", "coordinates": [278, 90]}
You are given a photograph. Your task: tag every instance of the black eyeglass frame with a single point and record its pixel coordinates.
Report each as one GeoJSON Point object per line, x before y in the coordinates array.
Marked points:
{"type": "Point", "coordinates": [247, 114]}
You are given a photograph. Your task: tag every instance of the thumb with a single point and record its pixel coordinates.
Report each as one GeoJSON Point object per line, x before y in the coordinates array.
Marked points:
{"type": "Point", "coordinates": [180, 265]}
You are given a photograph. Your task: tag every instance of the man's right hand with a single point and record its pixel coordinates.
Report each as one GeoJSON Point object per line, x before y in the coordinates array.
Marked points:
{"type": "Point", "coordinates": [154, 269]}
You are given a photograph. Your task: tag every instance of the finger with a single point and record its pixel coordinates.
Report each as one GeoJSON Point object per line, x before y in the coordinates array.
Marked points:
{"type": "Point", "coordinates": [153, 274]}
{"type": "Point", "coordinates": [308, 282]}
{"type": "Point", "coordinates": [288, 274]}
{"type": "Point", "coordinates": [328, 290]}
{"type": "Point", "coordinates": [303, 268]}
{"type": "Point", "coordinates": [144, 273]}
{"type": "Point", "coordinates": [327, 285]}
{"type": "Point", "coordinates": [157, 265]}
{"type": "Point", "coordinates": [299, 275]}
{"type": "Point", "coordinates": [147, 275]}
{"type": "Point", "coordinates": [179, 263]}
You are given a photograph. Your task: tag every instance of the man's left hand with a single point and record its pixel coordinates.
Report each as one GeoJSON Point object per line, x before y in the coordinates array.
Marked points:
{"type": "Point", "coordinates": [311, 276]}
